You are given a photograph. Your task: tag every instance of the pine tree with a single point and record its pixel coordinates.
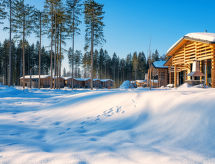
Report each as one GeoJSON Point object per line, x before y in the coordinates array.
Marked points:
{"type": "Point", "coordinates": [101, 63]}
{"type": "Point", "coordinates": [128, 67]}
{"type": "Point", "coordinates": [49, 22]}
{"type": "Point", "coordinates": [77, 58]}
{"type": "Point", "coordinates": [23, 20]}
{"type": "Point", "coordinates": [64, 72]}
{"type": "Point", "coordinates": [10, 15]}
{"type": "Point", "coordinates": [155, 56]}
{"type": "Point", "coordinates": [2, 11]}
{"type": "Point", "coordinates": [135, 65]}
{"type": "Point", "coordinates": [38, 23]}
{"type": "Point", "coordinates": [142, 68]}
{"type": "Point", "coordinates": [94, 16]}
{"type": "Point", "coordinates": [73, 12]}
{"type": "Point", "coordinates": [114, 66]}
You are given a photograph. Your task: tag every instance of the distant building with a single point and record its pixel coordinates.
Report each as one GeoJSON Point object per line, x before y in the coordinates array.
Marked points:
{"type": "Point", "coordinates": [32, 81]}
{"type": "Point", "coordinates": [85, 83]}
{"type": "Point", "coordinates": [159, 74]}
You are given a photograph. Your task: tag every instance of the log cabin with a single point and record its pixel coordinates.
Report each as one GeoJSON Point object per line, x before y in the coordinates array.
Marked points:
{"type": "Point", "coordinates": [159, 74]}
{"type": "Point", "coordinates": [107, 83]}
{"type": "Point", "coordinates": [59, 80]}
{"type": "Point", "coordinates": [192, 60]}
{"type": "Point", "coordinates": [32, 81]}
{"type": "Point", "coordinates": [77, 82]}
{"type": "Point", "coordinates": [97, 83]}
{"type": "Point", "coordinates": [85, 82]}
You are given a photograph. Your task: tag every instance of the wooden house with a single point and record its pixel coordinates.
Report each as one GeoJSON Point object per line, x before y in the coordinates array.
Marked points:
{"type": "Point", "coordinates": [97, 83]}
{"type": "Point", "coordinates": [192, 60]}
{"type": "Point", "coordinates": [159, 74]}
{"type": "Point", "coordinates": [32, 81]}
{"type": "Point", "coordinates": [107, 83]}
{"type": "Point", "coordinates": [77, 82]}
{"type": "Point", "coordinates": [86, 82]}
{"type": "Point", "coordinates": [59, 80]}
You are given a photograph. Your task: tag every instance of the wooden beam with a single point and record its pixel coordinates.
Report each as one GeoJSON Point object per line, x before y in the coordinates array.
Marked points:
{"type": "Point", "coordinates": [213, 70]}
{"type": "Point", "coordinates": [200, 70]}
{"type": "Point", "coordinates": [175, 76]}
{"type": "Point", "coordinates": [206, 72]}
{"type": "Point", "coordinates": [170, 76]}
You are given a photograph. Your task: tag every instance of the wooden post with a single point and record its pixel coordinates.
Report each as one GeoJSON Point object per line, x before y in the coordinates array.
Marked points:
{"type": "Point", "coordinates": [213, 72]}
{"type": "Point", "coordinates": [148, 77]}
{"type": "Point", "coordinates": [200, 63]}
{"type": "Point", "coordinates": [178, 78]}
{"type": "Point", "coordinates": [170, 75]}
{"type": "Point", "coordinates": [175, 76]}
{"type": "Point", "coordinates": [159, 78]}
{"type": "Point", "coordinates": [206, 72]}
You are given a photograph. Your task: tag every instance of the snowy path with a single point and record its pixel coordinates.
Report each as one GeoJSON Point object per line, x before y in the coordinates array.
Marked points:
{"type": "Point", "coordinates": [107, 126]}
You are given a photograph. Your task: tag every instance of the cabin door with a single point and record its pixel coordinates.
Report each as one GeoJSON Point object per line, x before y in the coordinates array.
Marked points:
{"type": "Point", "coordinates": [182, 77]}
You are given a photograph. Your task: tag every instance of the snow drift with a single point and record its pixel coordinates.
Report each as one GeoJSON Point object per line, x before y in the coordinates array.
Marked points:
{"type": "Point", "coordinates": [126, 85]}
{"type": "Point", "coordinates": [107, 126]}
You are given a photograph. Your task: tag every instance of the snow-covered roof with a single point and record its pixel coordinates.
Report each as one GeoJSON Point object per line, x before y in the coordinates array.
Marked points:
{"type": "Point", "coordinates": [55, 77]}
{"type": "Point", "coordinates": [82, 79]}
{"type": "Point", "coordinates": [86, 79]}
{"type": "Point", "coordinates": [66, 78]}
{"type": "Point", "coordinates": [105, 80]}
{"type": "Point", "coordinates": [35, 76]}
{"type": "Point", "coordinates": [204, 36]}
{"type": "Point", "coordinates": [159, 64]}
{"type": "Point", "coordinates": [201, 36]}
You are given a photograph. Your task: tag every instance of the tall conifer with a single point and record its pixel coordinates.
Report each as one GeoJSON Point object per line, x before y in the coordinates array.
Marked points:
{"type": "Point", "coordinates": [94, 16]}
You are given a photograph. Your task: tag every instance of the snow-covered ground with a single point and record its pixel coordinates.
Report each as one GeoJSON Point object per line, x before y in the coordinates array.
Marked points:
{"type": "Point", "coordinates": [107, 126]}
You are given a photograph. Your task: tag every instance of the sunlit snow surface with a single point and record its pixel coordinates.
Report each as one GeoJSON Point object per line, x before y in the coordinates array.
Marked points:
{"type": "Point", "coordinates": [107, 126]}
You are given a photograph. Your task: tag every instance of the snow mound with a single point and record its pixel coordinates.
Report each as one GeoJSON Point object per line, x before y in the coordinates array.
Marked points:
{"type": "Point", "coordinates": [107, 126]}
{"type": "Point", "coordinates": [184, 86]}
{"type": "Point", "coordinates": [126, 85]}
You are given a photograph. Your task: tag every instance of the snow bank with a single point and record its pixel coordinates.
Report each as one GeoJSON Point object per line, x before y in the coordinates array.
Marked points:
{"type": "Point", "coordinates": [126, 84]}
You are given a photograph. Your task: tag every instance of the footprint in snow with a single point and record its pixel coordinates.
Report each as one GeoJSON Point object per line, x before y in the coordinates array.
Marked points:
{"type": "Point", "coordinates": [61, 133]}
{"type": "Point", "coordinates": [93, 139]}
{"type": "Point", "coordinates": [57, 123]}
{"type": "Point", "coordinates": [118, 109]}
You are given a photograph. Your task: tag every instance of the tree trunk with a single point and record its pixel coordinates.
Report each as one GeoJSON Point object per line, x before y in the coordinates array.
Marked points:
{"type": "Point", "coordinates": [92, 44]}
{"type": "Point", "coordinates": [51, 80]}
{"type": "Point", "coordinates": [60, 56]}
{"type": "Point", "coordinates": [55, 53]}
{"type": "Point", "coordinates": [73, 47]}
{"type": "Point", "coordinates": [23, 52]}
{"type": "Point", "coordinates": [57, 61]}
{"type": "Point", "coordinates": [10, 66]}
{"type": "Point", "coordinates": [40, 49]}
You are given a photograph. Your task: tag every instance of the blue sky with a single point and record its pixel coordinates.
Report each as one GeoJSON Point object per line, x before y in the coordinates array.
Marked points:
{"type": "Point", "coordinates": [131, 24]}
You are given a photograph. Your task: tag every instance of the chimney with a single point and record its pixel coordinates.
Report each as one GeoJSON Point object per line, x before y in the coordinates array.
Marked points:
{"type": "Point", "coordinates": [196, 70]}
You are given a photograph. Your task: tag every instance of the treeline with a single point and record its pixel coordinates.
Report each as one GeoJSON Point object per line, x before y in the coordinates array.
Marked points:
{"type": "Point", "coordinates": [31, 62]}
{"type": "Point", "coordinates": [60, 21]}
{"type": "Point", "coordinates": [106, 66]}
